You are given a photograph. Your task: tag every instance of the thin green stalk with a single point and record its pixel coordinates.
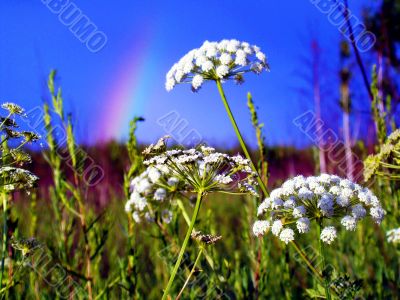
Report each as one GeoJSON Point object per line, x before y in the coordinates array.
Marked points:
{"type": "Point", "coordinates": [263, 164]}
{"type": "Point", "coordinates": [258, 268]}
{"type": "Point", "coordinates": [5, 120]}
{"type": "Point", "coordinates": [4, 245]}
{"type": "Point", "coordinates": [183, 210]}
{"type": "Point", "coordinates": [185, 242]}
{"type": "Point", "coordinates": [108, 287]}
{"type": "Point", "coordinates": [87, 247]}
{"type": "Point", "coordinates": [322, 253]}
{"type": "Point", "coordinates": [187, 220]}
{"type": "Point", "coordinates": [240, 138]}
{"type": "Point", "coordinates": [231, 193]}
{"type": "Point", "coordinates": [191, 273]}
{"type": "Point", "coordinates": [286, 276]}
{"type": "Point", "coordinates": [306, 260]}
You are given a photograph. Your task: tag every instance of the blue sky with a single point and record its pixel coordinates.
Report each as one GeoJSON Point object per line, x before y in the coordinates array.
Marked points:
{"type": "Point", "coordinates": [144, 39]}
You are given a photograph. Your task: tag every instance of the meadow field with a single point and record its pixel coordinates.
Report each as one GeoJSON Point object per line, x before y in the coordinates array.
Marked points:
{"type": "Point", "coordinates": [197, 218]}
{"type": "Point", "coordinates": [80, 234]}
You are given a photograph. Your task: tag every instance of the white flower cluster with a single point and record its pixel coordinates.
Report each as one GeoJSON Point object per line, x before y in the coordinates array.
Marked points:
{"type": "Point", "coordinates": [182, 171]}
{"type": "Point", "coordinates": [149, 192]}
{"type": "Point", "coordinates": [393, 236]}
{"type": "Point", "coordinates": [13, 108]}
{"type": "Point", "coordinates": [222, 60]}
{"type": "Point", "coordinates": [301, 200]}
{"type": "Point", "coordinates": [16, 178]}
{"type": "Point", "coordinates": [206, 169]}
{"type": "Point", "coordinates": [12, 175]}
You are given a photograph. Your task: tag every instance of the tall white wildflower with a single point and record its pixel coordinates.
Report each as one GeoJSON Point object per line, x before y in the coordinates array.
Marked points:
{"type": "Point", "coordinates": [175, 172]}
{"type": "Point", "coordinates": [325, 199]}
{"type": "Point", "coordinates": [227, 59]}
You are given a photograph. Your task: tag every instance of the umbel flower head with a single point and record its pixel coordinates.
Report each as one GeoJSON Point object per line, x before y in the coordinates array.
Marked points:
{"type": "Point", "coordinates": [179, 171]}
{"type": "Point", "coordinates": [12, 175]}
{"type": "Point", "coordinates": [13, 109]}
{"type": "Point", "coordinates": [227, 59]}
{"type": "Point", "coordinates": [325, 199]}
{"type": "Point", "coordinates": [387, 161]}
{"type": "Point", "coordinates": [12, 179]}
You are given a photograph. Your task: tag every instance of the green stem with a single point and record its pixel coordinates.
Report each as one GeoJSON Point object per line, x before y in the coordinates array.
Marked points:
{"type": "Point", "coordinates": [185, 242]}
{"type": "Point", "coordinates": [306, 260]}
{"type": "Point", "coordinates": [4, 245]}
{"type": "Point", "coordinates": [239, 136]}
{"type": "Point", "coordinates": [231, 193]}
{"type": "Point", "coordinates": [322, 253]}
{"type": "Point", "coordinates": [183, 210]}
{"type": "Point", "coordinates": [187, 220]}
{"type": "Point", "coordinates": [5, 120]}
{"type": "Point", "coordinates": [190, 274]}
{"type": "Point", "coordinates": [108, 287]}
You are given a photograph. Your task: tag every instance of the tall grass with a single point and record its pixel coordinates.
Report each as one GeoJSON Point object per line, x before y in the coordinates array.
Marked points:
{"type": "Point", "coordinates": [81, 250]}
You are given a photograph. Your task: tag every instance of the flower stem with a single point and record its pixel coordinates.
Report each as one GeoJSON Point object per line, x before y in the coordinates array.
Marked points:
{"type": "Point", "coordinates": [183, 210]}
{"type": "Point", "coordinates": [258, 267]}
{"type": "Point", "coordinates": [239, 136]}
{"type": "Point", "coordinates": [190, 274]}
{"type": "Point", "coordinates": [185, 242]}
{"type": "Point", "coordinates": [4, 244]}
{"type": "Point", "coordinates": [306, 260]}
{"type": "Point", "coordinates": [187, 220]}
{"type": "Point", "coordinates": [322, 253]}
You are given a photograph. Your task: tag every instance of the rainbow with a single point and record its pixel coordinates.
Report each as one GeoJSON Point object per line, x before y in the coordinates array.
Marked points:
{"type": "Point", "coordinates": [130, 88]}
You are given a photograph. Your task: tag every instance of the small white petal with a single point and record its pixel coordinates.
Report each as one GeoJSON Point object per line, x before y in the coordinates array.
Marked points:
{"type": "Point", "coordinates": [328, 234]}
{"type": "Point", "coordinates": [222, 71]}
{"type": "Point", "coordinates": [286, 235]}
{"type": "Point", "coordinates": [260, 227]}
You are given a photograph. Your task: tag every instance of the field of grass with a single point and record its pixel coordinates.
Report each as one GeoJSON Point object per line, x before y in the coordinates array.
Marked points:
{"type": "Point", "coordinates": [137, 264]}
{"type": "Point", "coordinates": [69, 236]}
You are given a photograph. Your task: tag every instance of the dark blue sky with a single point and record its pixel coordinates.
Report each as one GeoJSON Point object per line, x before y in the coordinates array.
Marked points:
{"type": "Point", "coordinates": [104, 90]}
